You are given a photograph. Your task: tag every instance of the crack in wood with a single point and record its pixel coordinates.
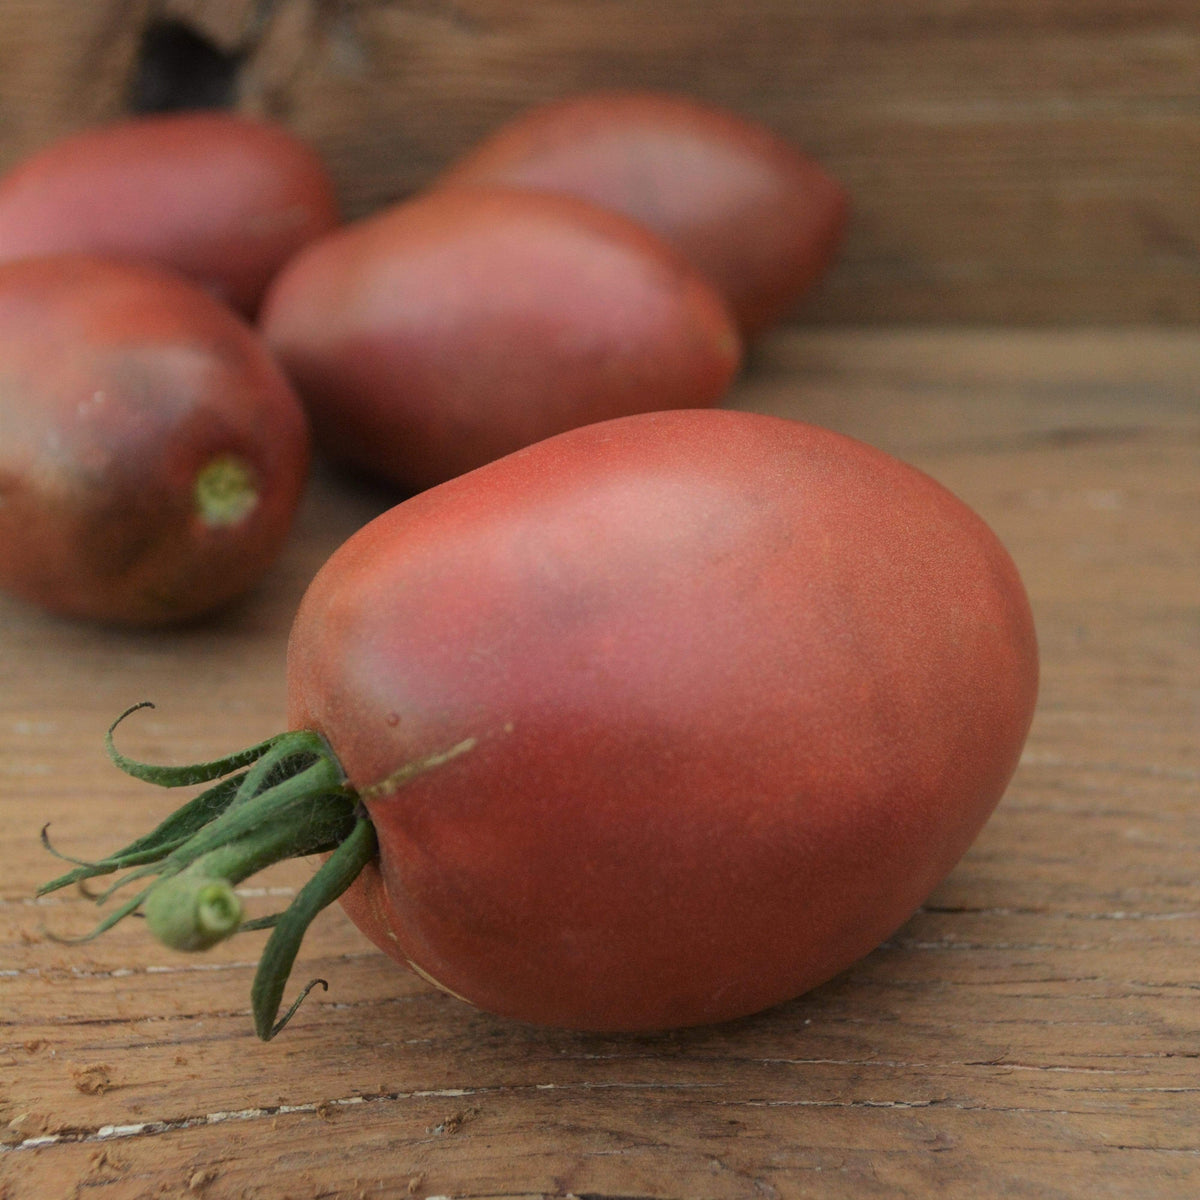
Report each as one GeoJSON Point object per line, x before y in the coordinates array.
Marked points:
{"type": "Point", "coordinates": [116, 1132]}
{"type": "Point", "coordinates": [113, 1132]}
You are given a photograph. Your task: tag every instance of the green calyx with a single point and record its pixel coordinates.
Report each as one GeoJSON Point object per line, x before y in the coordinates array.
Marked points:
{"type": "Point", "coordinates": [283, 798]}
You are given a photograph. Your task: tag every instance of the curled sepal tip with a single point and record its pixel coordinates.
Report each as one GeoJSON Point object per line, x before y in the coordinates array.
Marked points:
{"type": "Point", "coordinates": [336, 874]}
{"type": "Point", "coordinates": [185, 776]}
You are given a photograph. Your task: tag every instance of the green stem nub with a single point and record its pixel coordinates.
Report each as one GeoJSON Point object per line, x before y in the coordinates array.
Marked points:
{"type": "Point", "coordinates": [284, 798]}
{"type": "Point", "coordinates": [192, 912]}
{"type": "Point", "coordinates": [226, 491]}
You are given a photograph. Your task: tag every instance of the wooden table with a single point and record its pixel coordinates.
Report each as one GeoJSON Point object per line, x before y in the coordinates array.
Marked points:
{"type": "Point", "coordinates": [1033, 1031]}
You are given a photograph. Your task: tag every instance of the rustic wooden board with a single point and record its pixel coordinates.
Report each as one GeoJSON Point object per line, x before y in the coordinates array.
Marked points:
{"type": "Point", "coordinates": [1034, 161]}
{"type": "Point", "coordinates": [1031, 1032]}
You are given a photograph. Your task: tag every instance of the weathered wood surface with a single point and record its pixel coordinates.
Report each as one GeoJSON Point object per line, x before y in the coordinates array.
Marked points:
{"type": "Point", "coordinates": [1033, 161]}
{"type": "Point", "coordinates": [1033, 1031]}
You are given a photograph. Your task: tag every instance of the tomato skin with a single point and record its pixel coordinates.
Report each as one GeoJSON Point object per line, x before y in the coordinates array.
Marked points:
{"type": "Point", "coordinates": [759, 218]}
{"type": "Point", "coordinates": [152, 454]}
{"type": "Point", "coordinates": [713, 701]}
{"type": "Point", "coordinates": [454, 328]}
{"type": "Point", "coordinates": [224, 199]}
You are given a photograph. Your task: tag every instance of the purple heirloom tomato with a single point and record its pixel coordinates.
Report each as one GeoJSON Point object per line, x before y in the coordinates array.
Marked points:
{"type": "Point", "coordinates": [223, 199]}
{"type": "Point", "coordinates": [454, 328]}
{"type": "Point", "coordinates": [152, 453]}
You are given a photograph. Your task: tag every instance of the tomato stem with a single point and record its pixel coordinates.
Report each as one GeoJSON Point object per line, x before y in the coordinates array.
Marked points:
{"type": "Point", "coordinates": [283, 798]}
{"type": "Point", "coordinates": [193, 912]}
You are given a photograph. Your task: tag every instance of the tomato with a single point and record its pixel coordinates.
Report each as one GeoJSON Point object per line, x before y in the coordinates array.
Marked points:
{"type": "Point", "coordinates": [224, 199]}
{"type": "Point", "coordinates": [659, 722]}
{"type": "Point", "coordinates": [761, 219]}
{"type": "Point", "coordinates": [152, 454]}
{"type": "Point", "coordinates": [457, 327]}
{"type": "Point", "coordinates": [736, 694]}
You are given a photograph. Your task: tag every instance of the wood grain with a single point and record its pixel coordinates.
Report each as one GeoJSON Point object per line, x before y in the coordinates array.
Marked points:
{"type": "Point", "coordinates": [1032, 161]}
{"type": "Point", "coordinates": [1030, 1032]}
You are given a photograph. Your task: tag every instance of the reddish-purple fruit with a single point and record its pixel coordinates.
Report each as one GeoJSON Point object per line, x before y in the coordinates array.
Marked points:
{"type": "Point", "coordinates": [656, 723]}
{"type": "Point", "coordinates": [152, 454]}
{"type": "Point", "coordinates": [455, 328]}
{"type": "Point", "coordinates": [761, 219]}
{"type": "Point", "coordinates": [223, 199]}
